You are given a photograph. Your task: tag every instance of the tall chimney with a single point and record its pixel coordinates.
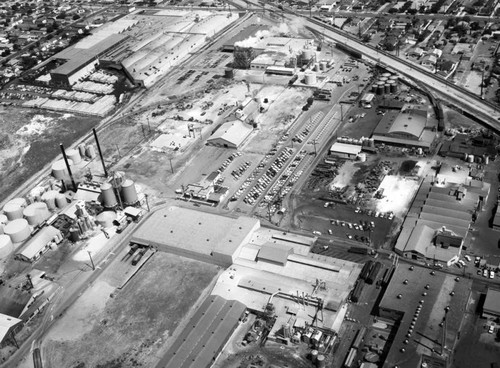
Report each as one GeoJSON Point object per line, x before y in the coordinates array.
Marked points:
{"type": "Point", "coordinates": [100, 153]}
{"type": "Point", "coordinates": [68, 167]}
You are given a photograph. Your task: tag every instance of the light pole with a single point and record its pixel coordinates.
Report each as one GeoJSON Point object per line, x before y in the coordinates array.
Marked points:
{"type": "Point", "coordinates": [91, 260]}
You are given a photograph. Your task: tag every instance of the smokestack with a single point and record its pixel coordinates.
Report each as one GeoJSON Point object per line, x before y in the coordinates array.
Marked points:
{"type": "Point", "coordinates": [67, 166]}
{"type": "Point", "coordinates": [100, 153]}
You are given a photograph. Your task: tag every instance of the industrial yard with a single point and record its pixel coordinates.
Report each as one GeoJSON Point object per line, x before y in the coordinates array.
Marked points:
{"type": "Point", "coordinates": [197, 187]}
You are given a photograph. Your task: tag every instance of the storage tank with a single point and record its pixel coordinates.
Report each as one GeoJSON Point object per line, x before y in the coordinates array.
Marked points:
{"type": "Point", "coordinates": [362, 156]}
{"type": "Point", "coordinates": [6, 246]}
{"type": "Point", "coordinates": [81, 149]}
{"type": "Point", "coordinates": [18, 230]}
{"type": "Point", "coordinates": [129, 192]}
{"type": "Point", "coordinates": [323, 66]}
{"type": "Point", "coordinates": [394, 77]}
{"type": "Point", "coordinates": [59, 170]}
{"type": "Point", "coordinates": [61, 201]}
{"type": "Point", "coordinates": [310, 79]}
{"type": "Point", "coordinates": [36, 193]}
{"type": "Point", "coordinates": [394, 87]}
{"type": "Point", "coordinates": [3, 219]}
{"type": "Point", "coordinates": [320, 362]}
{"type": "Point", "coordinates": [470, 158]}
{"type": "Point", "coordinates": [106, 218]}
{"type": "Point", "coordinates": [20, 201]}
{"type": "Point", "coordinates": [49, 198]}
{"type": "Point", "coordinates": [486, 159]}
{"type": "Point", "coordinates": [229, 73]}
{"type": "Point", "coordinates": [74, 234]}
{"type": "Point", "coordinates": [387, 88]}
{"type": "Point", "coordinates": [13, 211]}
{"type": "Point", "coordinates": [314, 356]}
{"type": "Point", "coordinates": [383, 79]}
{"type": "Point", "coordinates": [316, 67]}
{"type": "Point", "coordinates": [386, 75]}
{"type": "Point", "coordinates": [74, 156]}
{"type": "Point", "coordinates": [108, 197]}
{"type": "Point", "coordinates": [36, 213]}
{"type": "Point", "coordinates": [90, 151]}
{"type": "Point", "coordinates": [307, 55]}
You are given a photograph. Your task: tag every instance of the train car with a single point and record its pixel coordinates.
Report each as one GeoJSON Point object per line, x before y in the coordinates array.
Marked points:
{"type": "Point", "coordinates": [360, 336]}
{"type": "Point", "coordinates": [349, 361]}
{"type": "Point", "coordinates": [356, 293]}
{"type": "Point", "coordinates": [365, 271]}
{"type": "Point", "coordinates": [373, 273]}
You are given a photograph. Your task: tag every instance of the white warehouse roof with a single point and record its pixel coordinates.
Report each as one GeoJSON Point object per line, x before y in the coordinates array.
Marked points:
{"type": "Point", "coordinates": [351, 149]}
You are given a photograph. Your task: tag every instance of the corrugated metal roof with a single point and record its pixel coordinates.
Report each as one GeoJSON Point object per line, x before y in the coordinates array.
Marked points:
{"type": "Point", "coordinates": [37, 243]}
{"type": "Point", "coordinates": [350, 149]}
{"type": "Point", "coordinates": [274, 253]}
{"type": "Point", "coordinates": [492, 301]}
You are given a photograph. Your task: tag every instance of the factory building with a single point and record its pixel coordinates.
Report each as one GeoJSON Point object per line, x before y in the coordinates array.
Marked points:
{"type": "Point", "coordinates": [8, 326]}
{"type": "Point", "coordinates": [79, 60]}
{"type": "Point", "coordinates": [205, 335]}
{"type": "Point", "coordinates": [491, 307]}
{"type": "Point", "coordinates": [39, 244]}
{"type": "Point", "coordinates": [193, 234]}
{"type": "Point", "coordinates": [427, 308]}
{"type": "Point", "coordinates": [231, 134]}
{"type": "Point", "coordinates": [344, 150]}
{"type": "Point", "coordinates": [438, 221]}
{"type": "Point", "coordinates": [410, 127]}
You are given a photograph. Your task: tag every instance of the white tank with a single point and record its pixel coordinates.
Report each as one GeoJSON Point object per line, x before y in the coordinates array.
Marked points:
{"type": "Point", "coordinates": [486, 159]}
{"type": "Point", "coordinates": [106, 218]}
{"type": "Point", "coordinates": [81, 149]}
{"type": "Point", "coordinates": [108, 197]}
{"type": "Point", "coordinates": [3, 219]}
{"type": "Point", "coordinates": [316, 67]}
{"type": "Point", "coordinates": [49, 198]}
{"type": "Point", "coordinates": [59, 170]}
{"type": "Point", "coordinates": [18, 230]}
{"type": "Point", "coordinates": [310, 79]}
{"type": "Point", "coordinates": [90, 151]}
{"type": "Point", "coordinates": [74, 155]}
{"type": "Point", "coordinates": [323, 66]}
{"type": "Point", "coordinates": [362, 156]}
{"type": "Point", "coordinates": [6, 246]}
{"type": "Point", "coordinates": [13, 211]}
{"type": "Point", "coordinates": [307, 54]}
{"type": "Point", "coordinates": [36, 213]}
{"type": "Point", "coordinates": [470, 158]}
{"type": "Point", "coordinates": [129, 192]}
{"type": "Point", "coordinates": [61, 201]}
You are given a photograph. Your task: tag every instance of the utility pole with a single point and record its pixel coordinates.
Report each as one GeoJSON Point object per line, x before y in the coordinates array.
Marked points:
{"type": "Point", "coordinates": [171, 167]}
{"type": "Point", "coordinates": [91, 260]}
{"type": "Point", "coordinates": [147, 203]}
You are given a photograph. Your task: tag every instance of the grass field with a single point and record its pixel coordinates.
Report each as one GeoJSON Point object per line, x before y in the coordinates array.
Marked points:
{"type": "Point", "coordinates": [130, 327]}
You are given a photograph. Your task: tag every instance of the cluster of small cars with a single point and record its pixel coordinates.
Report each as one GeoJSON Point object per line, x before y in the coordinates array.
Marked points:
{"type": "Point", "coordinates": [483, 270]}
{"type": "Point", "coordinates": [362, 226]}
{"type": "Point", "coordinates": [387, 215]}
{"type": "Point", "coordinates": [305, 132]}
{"type": "Point", "coordinates": [240, 170]}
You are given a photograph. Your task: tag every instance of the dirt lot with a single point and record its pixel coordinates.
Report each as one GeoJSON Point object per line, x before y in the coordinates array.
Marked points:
{"type": "Point", "coordinates": [128, 328]}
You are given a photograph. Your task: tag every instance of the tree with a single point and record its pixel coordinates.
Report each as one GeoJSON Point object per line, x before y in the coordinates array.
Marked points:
{"type": "Point", "coordinates": [76, 17]}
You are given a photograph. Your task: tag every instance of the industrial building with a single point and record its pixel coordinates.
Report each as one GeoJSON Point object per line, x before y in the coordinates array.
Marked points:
{"type": "Point", "coordinates": [8, 325]}
{"type": "Point", "coordinates": [427, 308]}
{"type": "Point", "coordinates": [231, 134]}
{"type": "Point", "coordinates": [205, 335]}
{"type": "Point", "coordinates": [410, 127]}
{"type": "Point", "coordinates": [438, 220]}
{"type": "Point", "coordinates": [344, 150]}
{"type": "Point", "coordinates": [194, 234]}
{"type": "Point", "coordinates": [34, 248]}
{"type": "Point", "coordinates": [491, 307]}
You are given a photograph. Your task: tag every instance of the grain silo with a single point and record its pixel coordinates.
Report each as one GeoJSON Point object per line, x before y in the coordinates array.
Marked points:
{"type": "Point", "coordinates": [108, 197]}
{"type": "Point", "coordinates": [36, 213]}
{"type": "Point", "coordinates": [129, 192]}
{"type": "Point", "coordinates": [18, 230]}
{"type": "Point", "coordinates": [13, 209]}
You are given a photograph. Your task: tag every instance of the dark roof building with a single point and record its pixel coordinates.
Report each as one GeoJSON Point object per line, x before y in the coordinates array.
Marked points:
{"type": "Point", "coordinates": [419, 299]}
{"type": "Point", "coordinates": [204, 336]}
{"type": "Point", "coordinates": [491, 307]}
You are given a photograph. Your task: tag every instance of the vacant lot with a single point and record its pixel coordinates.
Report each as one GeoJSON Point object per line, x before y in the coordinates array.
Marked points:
{"type": "Point", "coordinates": [128, 328]}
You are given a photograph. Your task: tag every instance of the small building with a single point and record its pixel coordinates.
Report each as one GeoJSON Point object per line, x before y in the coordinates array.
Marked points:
{"type": "Point", "coordinates": [491, 307]}
{"type": "Point", "coordinates": [231, 134]}
{"type": "Point", "coordinates": [367, 99]}
{"type": "Point", "coordinates": [8, 326]}
{"type": "Point", "coordinates": [344, 150]}
{"type": "Point", "coordinates": [34, 248]}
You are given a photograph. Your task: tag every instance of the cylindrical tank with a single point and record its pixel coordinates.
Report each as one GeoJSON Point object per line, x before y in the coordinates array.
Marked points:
{"type": "Point", "coordinates": [394, 77]}
{"type": "Point", "coordinates": [362, 156]}
{"type": "Point", "coordinates": [371, 142]}
{"type": "Point", "coordinates": [6, 246]}
{"type": "Point", "coordinates": [1, 228]}
{"type": "Point", "coordinates": [49, 198]}
{"type": "Point", "coordinates": [316, 67]}
{"type": "Point", "coordinates": [74, 156]}
{"type": "Point", "coordinates": [18, 230]}
{"type": "Point", "coordinates": [374, 88]}
{"type": "Point", "coordinates": [13, 211]}
{"type": "Point", "coordinates": [394, 88]}
{"type": "Point", "coordinates": [74, 234]}
{"type": "Point", "coordinates": [420, 151]}
{"type": "Point", "coordinates": [486, 159]}
{"type": "Point", "coordinates": [386, 75]}
{"type": "Point", "coordinates": [36, 213]}
{"type": "Point", "coordinates": [81, 149]}
{"type": "Point", "coordinates": [314, 356]}
{"type": "Point", "coordinates": [129, 192]}
{"type": "Point", "coordinates": [59, 170]}
{"type": "Point", "coordinates": [380, 89]}
{"type": "Point", "coordinates": [310, 79]}
{"type": "Point", "coordinates": [36, 193]}
{"type": "Point", "coordinates": [387, 88]}
{"type": "Point", "coordinates": [320, 362]}
{"type": "Point", "coordinates": [90, 151]}
{"type": "Point", "coordinates": [108, 197]}
{"type": "Point", "coordinates": [117, 178]}
{"type": "Point", "coordinates": [106, 218]}
{"type": "Point", "coordinates": [20, 201]}
{"type": "Point", "coordinates": [470, 158]}
{"type": "Point", "coordinates": [323, 66]}
{"type": "Point", "coordinates": [307, 55]}
{"type": "Point", "coordinates": [229, 73]}
{"type": "Point", "coordinates": [383, 79]}
{"type": "Point", "coordinates": [61, 201]}
{"type": "Point", "coordinates": [3, 219]}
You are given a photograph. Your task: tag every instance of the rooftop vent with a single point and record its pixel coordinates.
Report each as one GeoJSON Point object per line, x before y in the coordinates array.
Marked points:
{"type": "Point", "coordinates": [399, 296]}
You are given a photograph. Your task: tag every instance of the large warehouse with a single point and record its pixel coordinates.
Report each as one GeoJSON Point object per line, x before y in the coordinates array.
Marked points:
{"type": "Point", "coordinates": [231, 134]}
{"type": "Point", "coordinates": [418, 300]}
{"type": "Point", "coordinates": [410, 127]}
{"type": "Point", "coordinates": [194, 234]}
